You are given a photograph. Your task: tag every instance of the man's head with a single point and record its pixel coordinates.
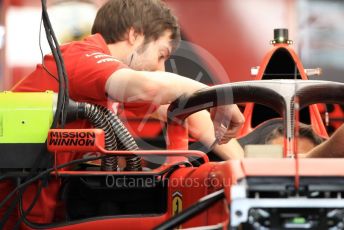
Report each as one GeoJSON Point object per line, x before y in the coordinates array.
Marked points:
{"type": "Point", "coordinates": [148, 28]}
{"type": "Point", "coordinates": [307, 139]}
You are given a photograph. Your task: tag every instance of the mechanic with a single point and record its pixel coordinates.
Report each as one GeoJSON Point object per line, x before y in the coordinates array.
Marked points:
{"type": "Point", "coordinates": [311, 145]}
{"type": "Point", "coordinates": [307, 138]}
{"type": "Point", "coordinates": [123, 61]}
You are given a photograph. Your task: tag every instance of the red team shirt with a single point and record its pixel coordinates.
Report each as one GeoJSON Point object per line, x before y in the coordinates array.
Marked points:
{"type": "Point", "coordinates": [88, 65]}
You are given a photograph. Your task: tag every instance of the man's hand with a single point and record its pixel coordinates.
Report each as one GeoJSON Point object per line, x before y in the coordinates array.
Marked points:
{"type": "Point", "coordinates": [227, 121]}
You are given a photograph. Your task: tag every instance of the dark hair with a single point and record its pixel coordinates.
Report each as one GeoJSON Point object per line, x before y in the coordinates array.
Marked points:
{"type": "Point", "coordinates": [150, 17]}
{"type": "Point", "coordinates": [305, 131]}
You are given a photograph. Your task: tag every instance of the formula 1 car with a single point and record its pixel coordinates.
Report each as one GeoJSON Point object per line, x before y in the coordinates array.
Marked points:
{"type": "Point", "coordinates": [186, 191]}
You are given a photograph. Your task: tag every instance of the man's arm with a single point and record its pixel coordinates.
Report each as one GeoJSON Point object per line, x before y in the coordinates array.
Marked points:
{"type": "Point", "coordinates": [161, 88]}
{"type": "Point", "coordinates": [201, 128]}
{"type": "Point", "coordinates": [126, 85]}
{"type": "Point", "coordinates": [333, 147]}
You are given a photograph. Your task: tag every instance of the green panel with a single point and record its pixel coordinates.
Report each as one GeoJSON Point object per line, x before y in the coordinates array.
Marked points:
{"type": "Point", "coordinates": [25, 117]}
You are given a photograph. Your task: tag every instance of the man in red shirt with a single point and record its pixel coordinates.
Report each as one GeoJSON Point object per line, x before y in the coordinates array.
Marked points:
{"type": "Point", "coordinates": [123, 61]}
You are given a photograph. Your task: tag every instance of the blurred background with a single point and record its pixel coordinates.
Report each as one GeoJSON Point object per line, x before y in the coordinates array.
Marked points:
{"type": "Point", "coordinates": [235, 34]}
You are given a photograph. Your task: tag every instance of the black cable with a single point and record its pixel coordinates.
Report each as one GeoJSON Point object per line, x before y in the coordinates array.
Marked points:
{"type": "Point", "coordinates": [63, 96]}
{"type": "Point", "coordinates": [63, 80]}
{"type": "Point", "coordinates": [14, 204]}
{"type": "Point", "coordinates": [43, 173]}
{"type": "Point", "coordinates": [60, 99]}
{"type": "Point", "coordinates": [33, 170]}
{"type": "Point", "coordinates": [186, 164]}
{"type": "Point", "coordinates": [8, 212]}
{"type": "Point", "coordinates": [40, 48]}
{"type": "Point", "coordinates": [27, 211]}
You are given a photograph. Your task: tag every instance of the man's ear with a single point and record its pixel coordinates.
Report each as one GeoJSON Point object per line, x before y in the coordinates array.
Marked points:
{"type": "Point", "coordinates": [132, 36]}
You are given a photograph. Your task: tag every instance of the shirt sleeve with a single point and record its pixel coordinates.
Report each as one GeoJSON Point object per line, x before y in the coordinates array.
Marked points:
{"type": "Point", "coordinates": [90, 75]}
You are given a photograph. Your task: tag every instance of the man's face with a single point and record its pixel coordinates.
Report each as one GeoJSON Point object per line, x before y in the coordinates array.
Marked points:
{"type": "Point", "coordinates": [152, 55]}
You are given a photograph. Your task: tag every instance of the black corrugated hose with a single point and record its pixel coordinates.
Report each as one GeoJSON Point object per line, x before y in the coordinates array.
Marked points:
{"type": "Point", "coordinates": [117, 137]}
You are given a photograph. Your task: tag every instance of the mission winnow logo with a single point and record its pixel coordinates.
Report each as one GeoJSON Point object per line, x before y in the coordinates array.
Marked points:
{"type": "Point", "coordinates": [72, 138]}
